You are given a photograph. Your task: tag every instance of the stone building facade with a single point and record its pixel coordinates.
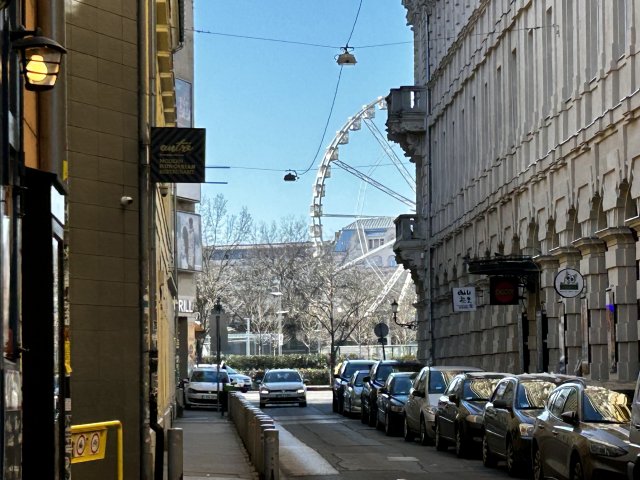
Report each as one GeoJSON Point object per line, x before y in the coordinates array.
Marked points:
{"type": "Point", "coordinates": [523, 126]}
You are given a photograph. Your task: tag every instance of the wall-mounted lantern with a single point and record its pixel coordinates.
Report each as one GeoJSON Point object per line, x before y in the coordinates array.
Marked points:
{"type": "Point", "coordinates": [40, 58]}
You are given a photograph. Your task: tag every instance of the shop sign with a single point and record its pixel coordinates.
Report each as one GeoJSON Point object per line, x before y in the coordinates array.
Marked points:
{"type": "Point", "coordinates": [504, 291]}
{"type": "Point", "coordinates": [569, 283]}
{"type": "Point", "coordinates": [186, 304]}
{"type": "Point", "coordinates": [464, 299]}
{"type": "Point", "coordinates": [177, 155]}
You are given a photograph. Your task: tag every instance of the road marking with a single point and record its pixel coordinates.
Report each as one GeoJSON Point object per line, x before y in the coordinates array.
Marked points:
{"type": "Point", "coordinates": [403, 459]}
{"type": "Point", "coordinates": [298, 459]}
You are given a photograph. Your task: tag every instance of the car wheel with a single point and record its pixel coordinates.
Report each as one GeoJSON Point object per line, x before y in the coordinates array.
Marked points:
{"type": "Point", "coordinates": [461, 444]}
{"type": "Point", "coordinates": [576, 470]}
{"type": "Point", "coordinates": [406, 431]}
{"type": "Point", "coordinates": [439, 441]}
{"type": "Point", "coordinates": [488, 458]}
{"type": "Point", "coordinates": [538, 469]}
{"type": "Point", "coordinates": [513, 468]}
{"type": "Point", "coordinates": [334, 403]}
{"type": "Point", "coordinates": [388, 429]}
{"type": "Point", "coordinates": [424, 433]}
{"type": "Point", "coordinates": [303, 404]}
{"type": "Point", "coordinates": [364, 413]}
{"type": "Point", "coordinates": [341, 406]}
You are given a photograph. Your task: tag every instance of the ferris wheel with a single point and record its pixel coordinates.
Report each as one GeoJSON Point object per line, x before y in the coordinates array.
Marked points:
{"type": "Point", "coordinates": [377, 171]}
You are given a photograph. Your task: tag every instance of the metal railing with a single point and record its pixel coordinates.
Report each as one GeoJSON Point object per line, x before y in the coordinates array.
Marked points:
{"type": "Point", "coordinates": [259, 435]}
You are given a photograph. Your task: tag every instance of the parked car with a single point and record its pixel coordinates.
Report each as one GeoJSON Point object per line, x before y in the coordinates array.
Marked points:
{"type": "Point", "coordinates": [391, 399]}
{"type": "Point", "coordinates": [378, 374]}
{"type": "Point", "coordinates": [352, 391]}
{"type": "Point", "coordinates": [459, 415]}
{"type": "Point", "coordinates": [201, 389]}
{"type": "Point", "coordinates": [343, 373]}
{"type": "Point", "coordinates": [583, 432]}
{"type": "Point", "coordinates": [633, 466]}
{"type": "Point", "coordinates": [422, 402]}
{"type": "Point", "coordinates": [509, 417]}
{"type": "Point", "coordinates": [238, 380]}
{"type": "Point", "coordinates": [282, 385]}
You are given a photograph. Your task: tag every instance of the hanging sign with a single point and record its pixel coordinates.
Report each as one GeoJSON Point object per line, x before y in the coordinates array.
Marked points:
{"type": "Point", "coordinates": [177, 155]}
{"type": "Point", "coordinates": [569, 283]}
{"type": "Point", "coordinates": [464, 299]}
{"type": "Point", "coordinates": [504, 291]}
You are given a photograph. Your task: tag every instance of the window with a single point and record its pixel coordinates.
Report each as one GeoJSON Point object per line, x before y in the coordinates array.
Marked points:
{"type": "Point", "coordinates": [556, 408]}
{"type": "Point", "coordinates": [375, 243]}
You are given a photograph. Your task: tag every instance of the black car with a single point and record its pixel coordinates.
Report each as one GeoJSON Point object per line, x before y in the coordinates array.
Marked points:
{"type": "Point", "coordinates": [378, 374]}
{"type": "Point", "coordinates": [391, 399]}
{"type": "Point", "coordinates": [509, 417]}
{"type": "Point", "coordinates": [342, 376]}
{"type": "Point", "coordinates": [460, 409]}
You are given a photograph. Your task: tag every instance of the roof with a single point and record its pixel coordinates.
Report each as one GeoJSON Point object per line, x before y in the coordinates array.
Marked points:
{"type": "Point", "coordinates": [367, 223]}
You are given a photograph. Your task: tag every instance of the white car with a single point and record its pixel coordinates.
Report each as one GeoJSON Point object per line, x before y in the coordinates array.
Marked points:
{"type": "Point", "coordinates": [238, 380]}
{"type": "Point", "coordinates": [283, 385]}
{"type": "Point", "coordinates": [202, 387]}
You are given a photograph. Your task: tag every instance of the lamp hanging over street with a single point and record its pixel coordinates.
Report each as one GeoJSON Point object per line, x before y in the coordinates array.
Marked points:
{"type": "Point", "coordinates": [394, 310]}
{"type": "Point", "coordinates": [291, 176]}
{"type": "Point", "coordinates": [40, 58]}
{"type": "Point", "coordinates": [346, 57]}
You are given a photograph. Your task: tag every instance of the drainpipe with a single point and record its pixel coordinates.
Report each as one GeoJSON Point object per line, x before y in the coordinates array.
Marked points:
{"type": "Point", "coordinates": [158, 469]}
{"type": "Point", "coordinates": [144, 102]}
{"type": "Point", "coordinates": [429, 260]}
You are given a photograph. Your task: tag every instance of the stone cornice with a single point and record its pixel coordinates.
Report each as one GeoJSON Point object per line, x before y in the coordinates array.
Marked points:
{"type": "Point", "coordinates": [546, 262]}
{"type": "Point", "coordinates": [566, 255]}
{"type": "Point", "coordinates": [633, 223]}
{"type": "Point", "coordinates": [590, 245]}
{"type": "Point", "coordinates": [616, 236]}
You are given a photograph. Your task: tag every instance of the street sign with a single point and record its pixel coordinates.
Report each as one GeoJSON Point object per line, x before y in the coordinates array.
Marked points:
{"type": "Point", "coordinates": [569, 283]}
{"type": "Point", "coordinates": [88, 446]}
{"type": "Point", "coordinates": [381, 330]}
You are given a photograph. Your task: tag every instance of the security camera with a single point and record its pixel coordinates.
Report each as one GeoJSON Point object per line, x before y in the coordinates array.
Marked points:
{"type": "Point", "coordinates": [164, 189]}
{"type": "Point", "coordinates": [124, 201]}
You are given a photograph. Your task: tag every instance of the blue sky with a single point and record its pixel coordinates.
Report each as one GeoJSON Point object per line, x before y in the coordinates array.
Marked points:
{"type": "Point", "coordinates": [265, 104]}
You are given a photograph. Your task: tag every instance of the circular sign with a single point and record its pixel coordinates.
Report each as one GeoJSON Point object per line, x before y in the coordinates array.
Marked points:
{"type": "Point", "coordinates": [81, 445]}
{"type": "Point", "coordinates": [381, 330]}
{"type": "Point", "coordinates": [95, 443]}
{"type": "Point", "coordinates": [568, 283]}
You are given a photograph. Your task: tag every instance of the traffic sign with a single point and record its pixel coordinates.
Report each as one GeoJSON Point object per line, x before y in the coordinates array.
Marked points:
{"type": "Point", "coordinates": [88, 446]}
{"type": "Point", "coordinates": [381, 330]}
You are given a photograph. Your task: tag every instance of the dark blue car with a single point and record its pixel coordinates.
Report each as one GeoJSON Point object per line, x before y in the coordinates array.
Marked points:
{"type": "Point", "coordinates": [391, 399]}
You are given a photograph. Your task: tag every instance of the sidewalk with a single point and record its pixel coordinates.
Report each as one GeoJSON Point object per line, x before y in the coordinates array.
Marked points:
{"type": "Point", "coordinates": [213, 450]}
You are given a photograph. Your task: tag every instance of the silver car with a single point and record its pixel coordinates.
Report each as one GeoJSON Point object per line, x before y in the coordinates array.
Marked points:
{"type": "Point", "coordinates": [282, 385]}
{"type": "Point", "coordinates": [238, 380]}
{"type": "Point", "coordinates": [353, 389]}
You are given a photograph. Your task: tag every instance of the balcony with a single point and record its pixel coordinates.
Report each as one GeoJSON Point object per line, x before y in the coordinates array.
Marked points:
{"type": "Point", "coordinates": [409, 245]}
{"type": "Point", "coordinates": [406, 116]}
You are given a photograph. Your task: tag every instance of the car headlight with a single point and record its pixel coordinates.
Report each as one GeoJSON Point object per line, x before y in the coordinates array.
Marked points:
{"type": "Point", "coordinates": [301, 390]}
{"type": "Point", "coordinates": [605, 449]}
{"type": "Point", "coordinates": [264, 391]}
{"type": "Point", "coordinates": [474, 418]}
{"type": "Point", "coordinates": [396, 408]}
{"type": "Point", "coordinates": [526, 429]}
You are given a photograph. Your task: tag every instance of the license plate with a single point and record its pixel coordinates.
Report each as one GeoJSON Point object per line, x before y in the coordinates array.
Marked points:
{"type": "Point", "coordinates": [208, 397]}
{"type": "Point", "coordinates": [282, 394]}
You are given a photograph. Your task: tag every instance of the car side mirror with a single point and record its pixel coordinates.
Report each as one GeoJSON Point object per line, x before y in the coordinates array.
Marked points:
{"type": "Point", "coordinates": [382, 390]}
{"type": "Point", "coordinates": [366, 379]}
{"type": "Point", "coordinates": [570, 417]}
{"type": "Point", "coordinates": [305, 381]}
{"type": "Point", "coordinates": [417, 393]}
{"type": "Point", "coordinates": [258, 382]}
{"type": "Point", "coordinates": [453, 398]}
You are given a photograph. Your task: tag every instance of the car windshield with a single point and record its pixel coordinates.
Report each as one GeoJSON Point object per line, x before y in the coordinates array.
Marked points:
{"type": "Point", "coordinates": [358, 381]}
{"type": "Point", "coordinates": [439, 381]}
{"type": "Point", "coordinates": [605, 406]}
{"type": "Point", "coordinates": [206, 376]}
{"type": "Point", "coordinates": [479, 388]}
{"type": "Point", "coordinates": [230, 370]}
{"type": "Point", "coordinates": [351, 368]}
{"type": "Point", "coordinates": [533, 394]}
{"type": "Point", "coordinates": [275, 377]}
{"type": "Point", "coordinates": [401, 386]}
{"type": "Point", "coordinates": [385, 370]}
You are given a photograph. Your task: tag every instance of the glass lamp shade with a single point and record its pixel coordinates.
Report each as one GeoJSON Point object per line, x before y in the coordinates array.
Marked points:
{"type": "Point", "coordinates": [40, 59]}
{"type": "Point", "coordinates": [394, 307]}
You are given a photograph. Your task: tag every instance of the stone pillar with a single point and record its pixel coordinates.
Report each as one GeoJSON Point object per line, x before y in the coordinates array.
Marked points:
{"type": "Point", "coordinates": [594, 332]}
{"type": "Point", "coordinates": [548, 297]}
{"type": "Point", "coordinates": [569, 257]}
{"type": "Point", "coordinates": [620, 259]}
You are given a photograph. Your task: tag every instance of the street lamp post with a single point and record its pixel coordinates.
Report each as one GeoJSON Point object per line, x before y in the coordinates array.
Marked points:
{"type": "Point", "coordinates": [217, 308]}
{"type": "Point", "coordinates": [280, 312]}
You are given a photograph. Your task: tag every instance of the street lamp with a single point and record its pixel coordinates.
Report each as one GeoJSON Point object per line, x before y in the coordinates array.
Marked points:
{"type": "Point", "coordinates": [40, 58]}
{"type": "Point", "coordinates": [217, 308]}
{"type": "Point", "coordinates": [279, 312]}
{"type": "Point", "coordinates": [394, 310]}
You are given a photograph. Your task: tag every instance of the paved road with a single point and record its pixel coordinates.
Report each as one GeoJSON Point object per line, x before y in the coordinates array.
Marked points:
{"type": "Point", "coordinates": [319, 444]}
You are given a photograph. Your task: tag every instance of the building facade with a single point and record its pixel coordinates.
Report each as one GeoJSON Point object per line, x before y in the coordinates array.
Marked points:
{"type": "Point", "coordinates": [523, 126]}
